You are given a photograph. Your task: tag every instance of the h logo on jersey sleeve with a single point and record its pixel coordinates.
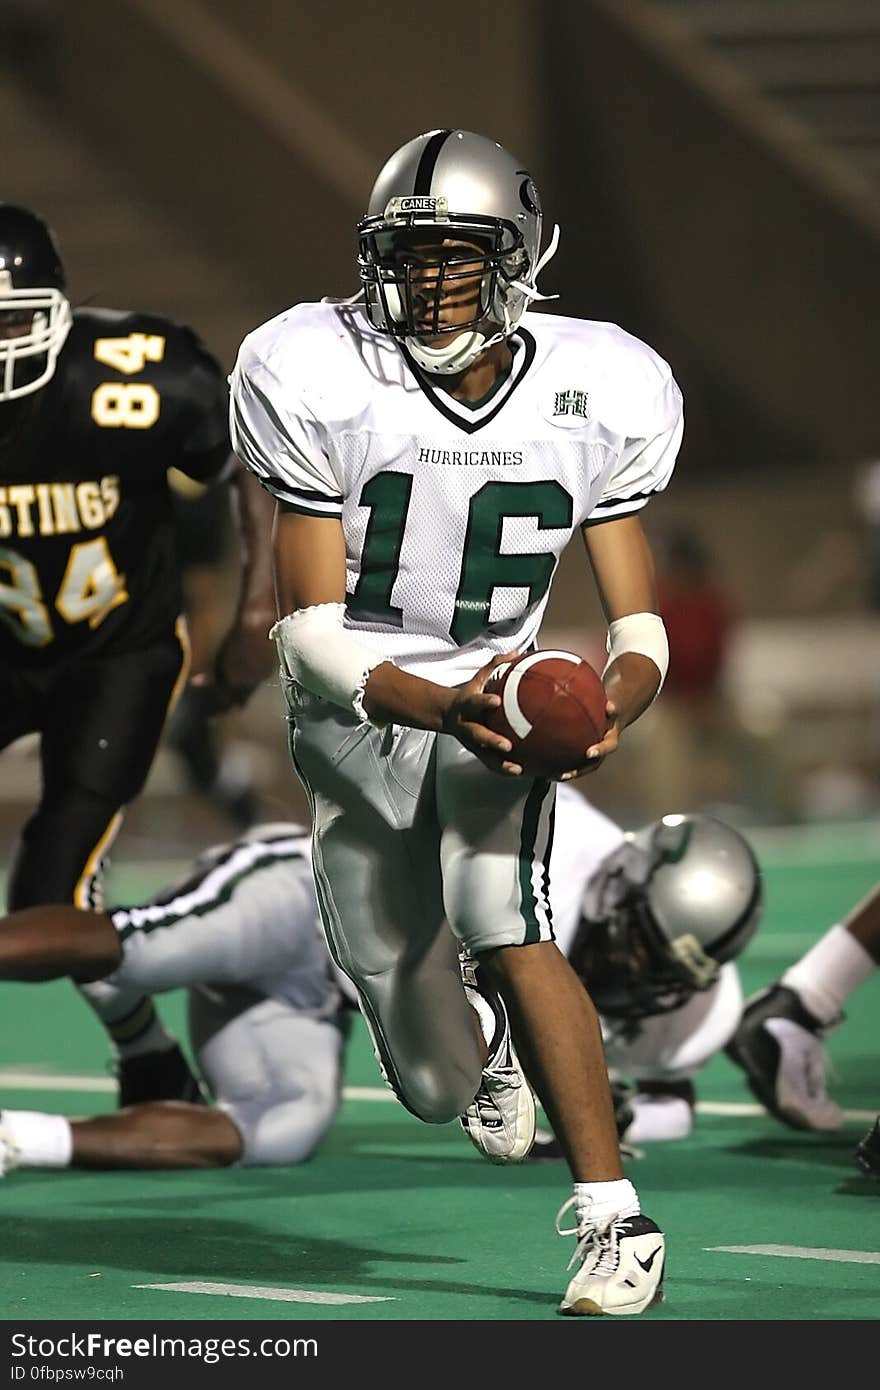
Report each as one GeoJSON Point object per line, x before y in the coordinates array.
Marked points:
{"type": "Point", "coordinates": [572, 403]}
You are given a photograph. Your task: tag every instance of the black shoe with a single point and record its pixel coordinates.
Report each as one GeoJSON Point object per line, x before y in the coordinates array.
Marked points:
{"type": "Point", "coordinates": [867, 1154]}
{"type": "Point", "coordinates": [780, 1046]}
{"type": "Point", "coordinates": [622, 1093]}
{"type": "Point", "coordinates": [546, 1144]}
{"type": "Point", "coordinates": [158, 1076]}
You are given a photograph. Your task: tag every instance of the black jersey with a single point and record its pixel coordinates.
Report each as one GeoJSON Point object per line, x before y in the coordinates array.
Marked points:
{"type": "Point", "coordinates": [87, 553]}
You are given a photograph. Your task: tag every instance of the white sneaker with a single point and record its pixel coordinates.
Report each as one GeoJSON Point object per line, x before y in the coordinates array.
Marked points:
{"type": "Point", "coordinates": [620, 1266]}
{"type": "Point", "coordinates": [781, 1048]}
{"type": "Point", "coordinates": [10, 1155]}
{"type": "Point", "coordinates": [501, 1119]}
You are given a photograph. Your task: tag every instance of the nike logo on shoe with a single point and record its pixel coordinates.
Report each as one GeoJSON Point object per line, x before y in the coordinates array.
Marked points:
{"type": "Point", "coordinates": [646, 1264]}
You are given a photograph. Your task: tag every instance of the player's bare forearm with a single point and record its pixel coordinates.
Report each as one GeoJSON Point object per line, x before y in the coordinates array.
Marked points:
{"type": "Point", "coordinates": [863, 923]}
{"type": "Point", "coordinates": [395, 696]}
{"type": "Point", "coordinates": [631, 683]}
{"type": "Point", "coordinates": [622, 566]}
{"type": "Point", "coordinates": [392, 696]}
{"type": "Point", "coordinates": [47, 943]}
{"type": "Point", "coordinates": [246, 656]}
{"type": "Point", "coordinates": [623, 569]}
{"type": "Point", "coordinates": [160, 1134]}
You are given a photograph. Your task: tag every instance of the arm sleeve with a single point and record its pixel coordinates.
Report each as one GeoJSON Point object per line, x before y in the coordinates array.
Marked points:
{"type": "Point", "coordinates": [204, 449]}
{"type": "Point", "coordinates": [282, 446]}
{"type": "Point", "coordinates": [646, 461]}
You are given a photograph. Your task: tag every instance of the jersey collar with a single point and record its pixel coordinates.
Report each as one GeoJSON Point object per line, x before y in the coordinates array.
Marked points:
{"type": "Point", "coordinates": [471, 418]}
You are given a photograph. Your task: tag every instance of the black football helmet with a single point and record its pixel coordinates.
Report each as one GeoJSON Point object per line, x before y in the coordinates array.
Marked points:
{"type": "Point", "coordinates": [663, 912]}
{"type": "Point", "coordinates": [35, 313]}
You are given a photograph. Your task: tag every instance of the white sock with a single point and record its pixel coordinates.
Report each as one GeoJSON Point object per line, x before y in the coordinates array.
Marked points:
{"type": "Point", "coordinates": [595, 1203]}
{"type": "Point", "coordinates": [829, 973]}
{"type": "Point", "coordinates": [43, 1141]}
{"type": "Point", "coordinates": [657, 1118]}
{"type": "Point", "coordinates": [130, 1018]}
{"type": "Point", "coordinates": [485, 1013]}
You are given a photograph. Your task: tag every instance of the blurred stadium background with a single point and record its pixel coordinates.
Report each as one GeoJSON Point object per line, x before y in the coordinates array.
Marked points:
{"type": "Point", "coordinates": [714, 166]}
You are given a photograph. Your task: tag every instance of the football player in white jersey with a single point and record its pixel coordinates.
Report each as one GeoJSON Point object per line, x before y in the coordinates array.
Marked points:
{"type": "Point", "coordinates": [433, 448]}
{"type": "Point", "coordinates": [266, 1011]}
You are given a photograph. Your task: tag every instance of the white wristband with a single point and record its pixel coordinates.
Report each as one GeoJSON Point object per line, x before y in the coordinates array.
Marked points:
{"type": "Point", "coordinates": [318, 653]}
{"type": "Point", "coordinates": [644, 633]}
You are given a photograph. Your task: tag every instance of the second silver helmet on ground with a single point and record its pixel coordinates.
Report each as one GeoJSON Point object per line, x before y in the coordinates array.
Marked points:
{"type": "Point", "coordinates": [663, 912]}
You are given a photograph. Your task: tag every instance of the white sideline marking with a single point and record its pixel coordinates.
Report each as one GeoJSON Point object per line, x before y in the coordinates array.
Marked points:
{"type": "Point", "coordinates": [802, 1252]}
{"type": "Point", "coordinates": [735, 1107]}
{"type": "Point", "coordinates": [276, 1295]}
{"type": "Point", "coordinates": [15, 1079]}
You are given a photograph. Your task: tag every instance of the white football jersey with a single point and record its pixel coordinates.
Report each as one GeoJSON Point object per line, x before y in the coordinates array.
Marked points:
{"type": "Point", "coordinates": [583, 836]}
{"type": "Point", "coordinates": [455, 516]}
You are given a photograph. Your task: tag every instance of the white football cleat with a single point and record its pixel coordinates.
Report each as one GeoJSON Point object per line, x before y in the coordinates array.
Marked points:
{"type": "Point", "coordinates": [620, 1266]}
{"type": "Point", "coordinates": [10, 1155]}
{"type": "Point", "coordinates": [501, 1119]}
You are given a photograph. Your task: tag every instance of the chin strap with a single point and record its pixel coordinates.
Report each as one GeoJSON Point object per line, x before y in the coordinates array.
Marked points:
{"type": "Point", "coordinates": [458, 354]}
{"type": "Point", "coordinates": [529, 288]}
{"type": "Point", "coordinates": [453, 356]}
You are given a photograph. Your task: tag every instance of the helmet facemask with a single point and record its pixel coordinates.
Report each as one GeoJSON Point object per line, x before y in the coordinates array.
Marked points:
{"type": "Point", "coordinates": [663, 913]}
{"type": "Point", "coordinates": [632, 970]}
{"type": "Point", "coordinates": [27, 359]}
{"type": "Point", "coordinates": [406, 258]}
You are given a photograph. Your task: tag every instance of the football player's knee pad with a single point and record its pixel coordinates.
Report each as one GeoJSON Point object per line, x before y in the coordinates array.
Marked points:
{"type": "Point", "coordinates": [433, 1094]}
{"type": "Point", "coordinates": [437, 1096]}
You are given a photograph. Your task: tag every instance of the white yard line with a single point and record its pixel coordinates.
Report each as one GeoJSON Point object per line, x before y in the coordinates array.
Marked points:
{"type": "Point", "coordinates": [274, 1295]}
{"type": "Point", "coordinates": [802, 1252]}
{"type": "Point", "coordinates": [748, 1110]}
{"type": "Point", "coordinates": [25, 1079]}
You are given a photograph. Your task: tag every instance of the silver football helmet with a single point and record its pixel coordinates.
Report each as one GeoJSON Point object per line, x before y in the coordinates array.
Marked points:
{"type": "Point", "coordinates": [35, 313]}
{"type": "Point", "coordinates": [663, 912]}
{"type": "Point", "coordinates": [460, 204]}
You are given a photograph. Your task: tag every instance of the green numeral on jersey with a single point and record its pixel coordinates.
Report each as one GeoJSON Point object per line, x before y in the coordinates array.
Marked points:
{"type": "Point", "coordinates": [484, 568]}
{"type": "Point", "coordinates": [387, 496]}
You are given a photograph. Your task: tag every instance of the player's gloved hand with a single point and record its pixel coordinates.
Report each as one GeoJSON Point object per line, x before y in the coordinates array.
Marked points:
{"type": "Point", "coordinates": [244, 660]}
{"type": "Point", "coordinates": [463, 718]}
{"type": "Point", "coordinates": [214, 697]}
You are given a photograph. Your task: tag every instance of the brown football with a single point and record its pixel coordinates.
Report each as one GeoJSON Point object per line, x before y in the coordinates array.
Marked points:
{"type": "Point", "coordinates": [552, 710]}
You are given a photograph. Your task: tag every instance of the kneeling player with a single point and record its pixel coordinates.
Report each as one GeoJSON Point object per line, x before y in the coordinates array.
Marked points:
{"type": "Point", "coordinates": [645, 919]}
{"type": "Point", "coordinates": [267, 1020]}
